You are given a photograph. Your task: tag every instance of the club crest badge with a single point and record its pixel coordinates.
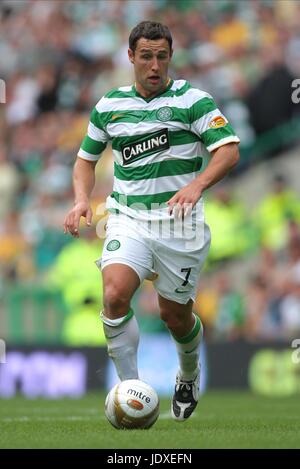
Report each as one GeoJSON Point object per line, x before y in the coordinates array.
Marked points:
{"type": "Point", "coordinates": [113, 245]}
{"type": "Point", "coordinates": [164, 114]}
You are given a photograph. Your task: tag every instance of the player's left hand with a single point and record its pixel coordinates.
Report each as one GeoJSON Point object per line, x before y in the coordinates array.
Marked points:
{"type": "Point", "coordinates": [182, 203]}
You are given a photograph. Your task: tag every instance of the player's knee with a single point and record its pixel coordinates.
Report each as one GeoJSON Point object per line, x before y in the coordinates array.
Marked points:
{"type": "Point", "coordinates": [172, 321]}
{"type": "Point", "coordinates": [116, 300]}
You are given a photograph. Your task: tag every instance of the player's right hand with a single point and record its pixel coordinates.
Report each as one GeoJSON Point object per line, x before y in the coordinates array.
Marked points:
{"type": "Point", "coordinates": [71, 223]}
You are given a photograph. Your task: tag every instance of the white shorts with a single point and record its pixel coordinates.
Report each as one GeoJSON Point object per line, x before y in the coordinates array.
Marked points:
{"type": "Point", "coordinates": [173, 263]}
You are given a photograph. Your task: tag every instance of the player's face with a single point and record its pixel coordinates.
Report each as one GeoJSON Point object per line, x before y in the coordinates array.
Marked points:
{"type": "Point", "coordinates": [151, 60]}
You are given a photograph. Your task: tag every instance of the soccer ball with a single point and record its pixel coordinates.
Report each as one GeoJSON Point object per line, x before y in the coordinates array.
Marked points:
{"type": "Point", "coordinates": [132, 404]}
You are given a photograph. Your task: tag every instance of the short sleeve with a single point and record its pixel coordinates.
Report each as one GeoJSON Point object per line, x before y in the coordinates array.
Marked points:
{"type": "Point", "coordinates": [95, 140]}
{"type": "Point", "coordinates": [208, 122]}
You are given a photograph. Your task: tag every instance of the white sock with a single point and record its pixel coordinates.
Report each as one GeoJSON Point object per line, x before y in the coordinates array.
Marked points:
{"type": "Point", "coordinates": [122, 337]}
{"type": "Point", "coordinates": [188, 351]}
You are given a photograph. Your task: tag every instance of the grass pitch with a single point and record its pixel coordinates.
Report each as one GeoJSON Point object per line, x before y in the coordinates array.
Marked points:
{"type": "Point", "coordinates": [222, 420]}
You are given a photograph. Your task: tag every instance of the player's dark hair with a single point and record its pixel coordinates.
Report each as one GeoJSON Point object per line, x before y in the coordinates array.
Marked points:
{"type": "Point", "coordinates": [149, 30]}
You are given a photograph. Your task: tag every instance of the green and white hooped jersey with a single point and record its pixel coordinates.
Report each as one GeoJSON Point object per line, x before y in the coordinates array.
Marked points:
{"type": "Point", "coordinates": [158, 144]}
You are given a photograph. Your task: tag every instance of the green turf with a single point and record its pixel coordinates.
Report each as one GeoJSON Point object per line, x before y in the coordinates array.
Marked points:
{"type": "Point", "coordinates": [222, 420]}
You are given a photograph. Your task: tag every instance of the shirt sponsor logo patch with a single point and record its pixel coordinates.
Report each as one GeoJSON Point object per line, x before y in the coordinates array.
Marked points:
{"type": "Point", "coordinates": [217, 122]}
{"type": "Point", "coordinates": [153, 143]}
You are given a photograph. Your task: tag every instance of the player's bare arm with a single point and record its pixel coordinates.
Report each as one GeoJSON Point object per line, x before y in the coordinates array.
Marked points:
{"type": "Point", "coordinates": [83, 183]}
{"type": "Point", "coordinates": [223, 160]}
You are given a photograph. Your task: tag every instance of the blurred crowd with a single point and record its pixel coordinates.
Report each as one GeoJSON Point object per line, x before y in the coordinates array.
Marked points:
{"type": "Point", "coordinates": [265, 303]}
{"type": "Point", "coordinates": [60, 57]}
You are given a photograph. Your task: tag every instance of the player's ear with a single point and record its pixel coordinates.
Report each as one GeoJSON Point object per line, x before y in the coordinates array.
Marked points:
{"type": "Point", "coordinates": [131, 55]}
